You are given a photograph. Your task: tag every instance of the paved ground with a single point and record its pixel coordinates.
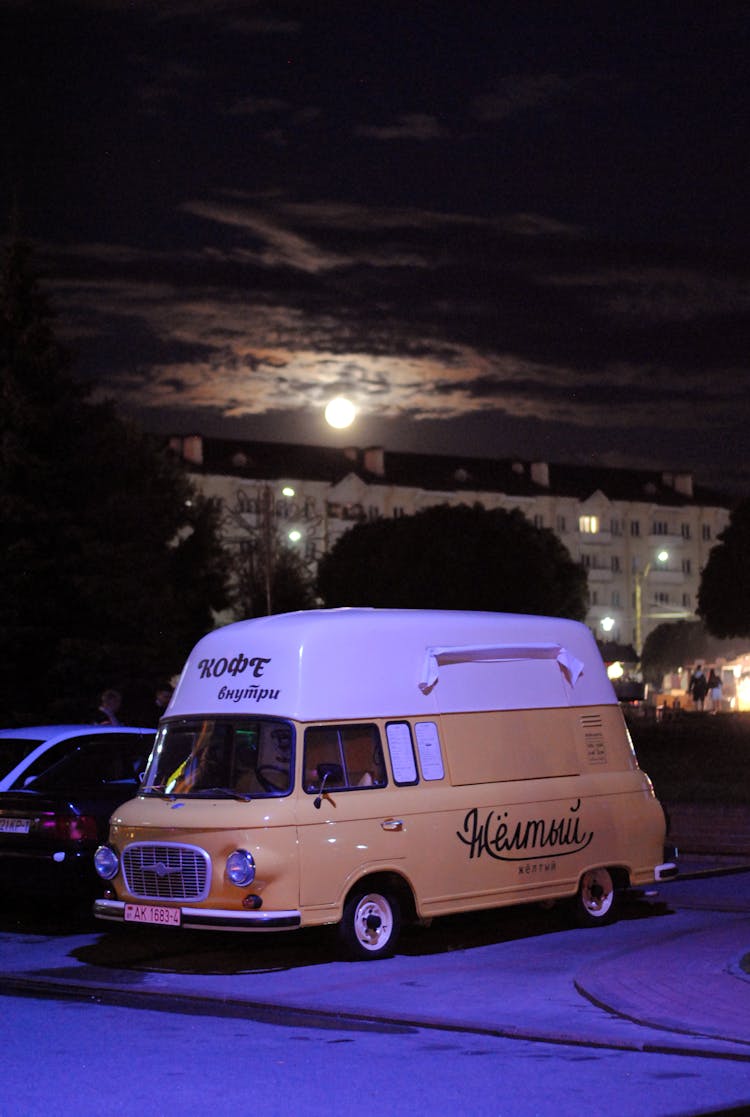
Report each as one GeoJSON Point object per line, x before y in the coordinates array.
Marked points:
{"type": "Point", "coordinates": [647, 984]}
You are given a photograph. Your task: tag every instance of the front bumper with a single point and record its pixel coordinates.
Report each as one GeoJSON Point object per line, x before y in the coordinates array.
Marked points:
{"type": "Point", "coordinates": [211, 919]}
{"type": "Point", "coordinates": [666, 871]}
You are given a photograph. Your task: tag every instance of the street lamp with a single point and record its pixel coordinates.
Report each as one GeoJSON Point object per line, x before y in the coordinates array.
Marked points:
{"type": "Point", "coordinates": [640, 578]}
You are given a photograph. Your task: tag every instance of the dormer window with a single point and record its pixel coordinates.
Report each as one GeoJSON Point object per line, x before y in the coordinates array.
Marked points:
{"type": "Point", "coordinates": [588, 525]}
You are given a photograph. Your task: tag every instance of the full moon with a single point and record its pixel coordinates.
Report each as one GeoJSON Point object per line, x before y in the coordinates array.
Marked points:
{"type": "Point", "coordinates": [340, 413]}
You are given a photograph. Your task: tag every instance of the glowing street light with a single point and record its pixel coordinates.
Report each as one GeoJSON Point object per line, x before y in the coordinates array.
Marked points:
{"type": "Point", "coordinates": [340, 413]}
{"type": "Point", "coordinates": [607, 623]}
{"type": "Point", "coordinates": [640, 578]}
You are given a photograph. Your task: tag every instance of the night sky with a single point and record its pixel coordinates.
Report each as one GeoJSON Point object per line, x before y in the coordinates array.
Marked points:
{"type": "Point", "coordinates": [503, 229]}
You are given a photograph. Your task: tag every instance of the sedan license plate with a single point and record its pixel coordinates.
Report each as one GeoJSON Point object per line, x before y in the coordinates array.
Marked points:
{"type": "Point", "coordinates": [15, 825]}
{"type": "Point", "coordinates": [148, 913]}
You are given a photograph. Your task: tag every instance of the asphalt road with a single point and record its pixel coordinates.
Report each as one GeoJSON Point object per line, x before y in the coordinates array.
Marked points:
{"type": "Point", "coordinates": [667, 977]}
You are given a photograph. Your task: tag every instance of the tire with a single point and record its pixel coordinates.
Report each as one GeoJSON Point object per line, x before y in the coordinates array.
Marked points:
{"type": "Point", "coordinates": [597, 901]}
{"type": "Point", "coordinates": [370, 925]}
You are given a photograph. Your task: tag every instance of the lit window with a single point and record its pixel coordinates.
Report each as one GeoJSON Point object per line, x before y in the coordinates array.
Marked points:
{"type": "Point", "coordinates": [589, 525]}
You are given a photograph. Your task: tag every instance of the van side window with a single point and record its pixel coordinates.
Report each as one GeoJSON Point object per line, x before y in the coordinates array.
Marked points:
{"type": "Point", "coordinates": [349, 757]}
{"type": "Point", "coordinates": [401, 752]}
{"type": "Point", "coordinates": [428, 746]}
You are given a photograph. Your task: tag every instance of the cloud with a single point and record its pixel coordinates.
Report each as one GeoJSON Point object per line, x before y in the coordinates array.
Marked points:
{"type": "Point", "coordinates": [409, 126]}
{"type": "Point", "coordinates": [278, 247]}
{"type": "Point", "coordinates": [519, 93]}
{"type": "Point", "coordinates": [419, 316]}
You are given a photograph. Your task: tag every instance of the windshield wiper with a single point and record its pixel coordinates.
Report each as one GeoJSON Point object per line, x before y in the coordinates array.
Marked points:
{"type": "Point", "coordinates": [158, 789]}
{"type": "Point", "coordinates": [221, 793]}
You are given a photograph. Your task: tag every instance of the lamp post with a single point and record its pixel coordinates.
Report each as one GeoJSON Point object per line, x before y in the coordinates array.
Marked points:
{"type": "Point", "coordinates": [640, 578]}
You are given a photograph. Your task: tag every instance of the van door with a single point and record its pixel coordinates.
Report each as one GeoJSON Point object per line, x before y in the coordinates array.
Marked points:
{"type": "Point", "coordinates": [343, 812]}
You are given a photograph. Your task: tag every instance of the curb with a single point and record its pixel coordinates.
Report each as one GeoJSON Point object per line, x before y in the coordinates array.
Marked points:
{"type": "Point", "coordinates": [683, 1043]}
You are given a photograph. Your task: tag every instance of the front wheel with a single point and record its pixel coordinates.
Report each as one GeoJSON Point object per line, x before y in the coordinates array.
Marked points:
{"type": "Point", "coordinates": [370, 924]}
{"type": "Point", "coordinates": [597, 899]}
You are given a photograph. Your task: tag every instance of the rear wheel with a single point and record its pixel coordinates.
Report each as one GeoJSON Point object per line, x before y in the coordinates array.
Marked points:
{"type": "Point", "coordinates": [370, 924]}
{"type": "Point", "coordinates": [597, 899]}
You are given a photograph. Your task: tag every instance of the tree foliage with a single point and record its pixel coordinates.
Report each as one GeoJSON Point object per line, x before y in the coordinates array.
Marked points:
{"type": "Point", "coordinates": [110, 561]}
{"type": "Point", "coordinates": [724, 594]}
{"type": "Point", "coordinates": [454, 558]}
{"type": "Point", "coordinates": [674, 645]}
{"type": "Point", "coordinates": [290, 585]}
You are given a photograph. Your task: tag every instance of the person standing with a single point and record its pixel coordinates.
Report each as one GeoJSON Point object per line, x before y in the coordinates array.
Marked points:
{"type": "Point", "coordinates": [162, 699]}
{"type": "Point", "coordinates": [109, 708]}
{"type": "Point", "coordinates": [714, 688]}
{"type": "Point", "coordinates": [698, 687]}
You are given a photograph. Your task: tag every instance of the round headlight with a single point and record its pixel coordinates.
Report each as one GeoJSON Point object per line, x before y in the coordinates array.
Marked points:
{"type": "Point", "coordinates": [106, 862]}
{"type": "Point", "coordinates": [240, 868]}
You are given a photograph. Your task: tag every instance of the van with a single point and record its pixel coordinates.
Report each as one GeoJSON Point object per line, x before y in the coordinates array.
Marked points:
{"type": "Point", "coordinates": [363, 767]}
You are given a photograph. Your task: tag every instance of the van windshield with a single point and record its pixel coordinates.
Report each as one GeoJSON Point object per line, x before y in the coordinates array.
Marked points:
{"type": "Point", "coordinates": [242, 758]}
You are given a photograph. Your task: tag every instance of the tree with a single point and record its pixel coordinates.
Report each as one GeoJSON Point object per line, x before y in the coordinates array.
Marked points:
{"type": "Point", "coordinates": [673, 645]}
{"type": "Point", "coordinates": [277, 584]}
{"type": "Point", "coordinates": [109, 559]}
{"type": "Point", "coordinates": [268, 576]}
{"type": "Point", "coordinates": [454, 558]}
{"type": "Point", "coordinates": [724, 593]}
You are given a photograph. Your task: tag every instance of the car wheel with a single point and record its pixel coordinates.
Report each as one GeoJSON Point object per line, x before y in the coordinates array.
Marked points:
{"type": "Point", "coordinates": [597, 899]}
{"type": "Point", "coordinates": [370, 924]}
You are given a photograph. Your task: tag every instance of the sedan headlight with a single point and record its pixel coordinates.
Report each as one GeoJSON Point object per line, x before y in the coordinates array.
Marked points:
{"type": "Point", "coordinates": [106, 862]}
{"type": "Point", "coordinates": [240, 868]}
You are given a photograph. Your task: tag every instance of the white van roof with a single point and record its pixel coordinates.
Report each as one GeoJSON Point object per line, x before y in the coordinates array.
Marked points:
{"type": "Point", "coordinates": [332, 664]}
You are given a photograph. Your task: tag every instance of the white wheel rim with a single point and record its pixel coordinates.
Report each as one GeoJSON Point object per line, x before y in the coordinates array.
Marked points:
{"type": "Point", "coordinates": [597, 893]}
{"type": "Point", "coordinates": [373, 922]}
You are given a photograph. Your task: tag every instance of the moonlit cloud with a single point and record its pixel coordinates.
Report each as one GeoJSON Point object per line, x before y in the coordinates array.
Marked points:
{"type": "Point", "coordinates": [247, 347]}
{"type": "Point", "coordinates": [494, 234]}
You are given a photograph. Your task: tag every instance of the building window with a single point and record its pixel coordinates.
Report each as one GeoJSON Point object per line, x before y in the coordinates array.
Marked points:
{"type": "Point", "coordinates": [588, 525]}
{"type": "Point", "coordinates": [660, 527]}
{"type": "Point", "coordinates": [661, 597]}
{"type": "Point", "coordinates": [685, 531]}
{"type": "Point", "coordinates": [686, 600]}
{"type": "Point", "coordinates": [616, 527]}
{"type": "Point", "coordinates": [635, 527]}
{"type": "Point", "coordinates": [615, 597]}
{"type": "Point", "coordinates": [615, 562]}
{"type": "Point", "coordinates": [687, 566]}
{"type": "Point", "coordinates": [561, 524]}
{"type": "Point", "coordinates": [706, 531]}
{"type": "Point", "coordinates": [538, 520]}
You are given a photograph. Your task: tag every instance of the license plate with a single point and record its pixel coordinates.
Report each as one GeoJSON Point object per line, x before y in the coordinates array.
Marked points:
{"type": "Point", "coordinates": [15, 825]}
{"type": "Point", "coordinates": [147, 913]}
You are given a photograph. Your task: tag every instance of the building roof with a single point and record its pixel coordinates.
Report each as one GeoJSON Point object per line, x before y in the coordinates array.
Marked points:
{"type": "Point", "coordinates": [441, 473]}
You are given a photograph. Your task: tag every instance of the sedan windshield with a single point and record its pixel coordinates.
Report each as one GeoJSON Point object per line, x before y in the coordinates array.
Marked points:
{"type": "Point", "coordinates": [243, 758]}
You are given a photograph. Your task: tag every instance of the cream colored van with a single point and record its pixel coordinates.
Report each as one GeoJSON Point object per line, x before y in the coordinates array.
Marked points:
{"type": "Point", "coordinates": [363, 767]}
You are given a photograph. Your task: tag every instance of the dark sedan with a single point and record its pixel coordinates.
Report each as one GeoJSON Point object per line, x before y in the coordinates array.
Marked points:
{"type": "Point", "coordinates": [57, 813]}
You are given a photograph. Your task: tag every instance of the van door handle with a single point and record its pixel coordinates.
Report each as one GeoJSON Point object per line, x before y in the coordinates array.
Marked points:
{"type": "Point", "coordinates": [392, 823]}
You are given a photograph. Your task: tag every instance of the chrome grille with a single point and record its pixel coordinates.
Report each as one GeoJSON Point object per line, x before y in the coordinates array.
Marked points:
{"type": "Point", "coordinates": [155, 871]}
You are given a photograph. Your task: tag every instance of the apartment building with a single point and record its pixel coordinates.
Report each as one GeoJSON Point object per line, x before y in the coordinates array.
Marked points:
{"type": "Point", "coordinates": [642, 536]}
